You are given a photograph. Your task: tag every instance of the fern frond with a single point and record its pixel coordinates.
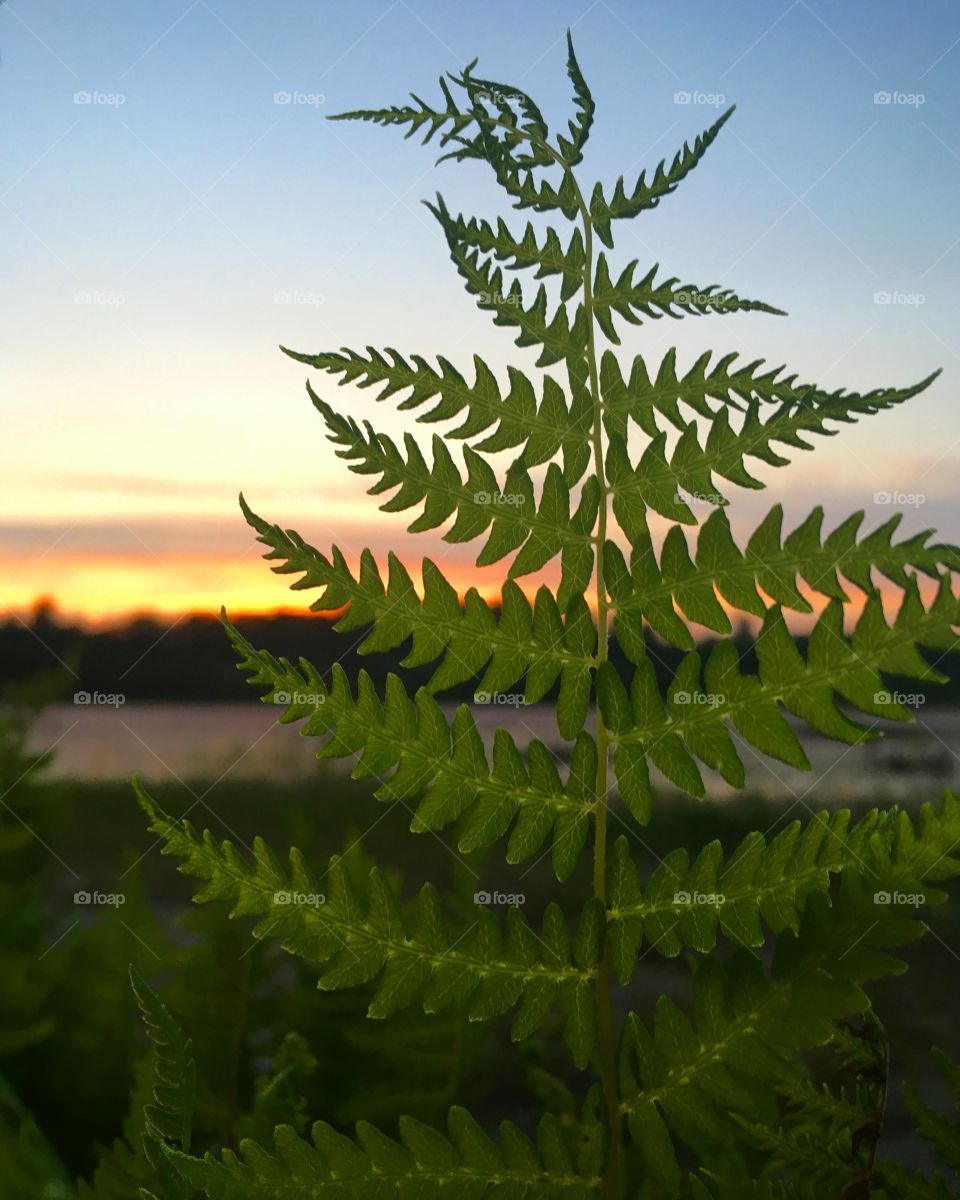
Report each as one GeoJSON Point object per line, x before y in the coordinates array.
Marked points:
{"type": "Point", "coordinates": [659, 476]}
{"type": "Point", "coordinates": [882, 907]}
{"type": "Point", "coordinates": [513, 141]}
{"type": "Point", "coordinates": [572, 150]}
{"type": "Point", "coordinates": [648, 195]}
{"type": "Point", "coordinates": [168, 1118]}
{"type": "Point", "coordinates": [942, 1132]}
{"type": "Point", "coordinates": [692, 721]}
{"type": "Point", "coordinates": [161, 1113]}
{"type": "Point", "coordinates": [277, 1098]}
{"type": "Point", "coordinates": [835, 1109]}
{"type": "Point", "coordinates": [412, 739]}
{"type": "Point", "coordinates": [688, 904]}
{"type": "Point", "coordinates": [360, 936]}
{"type": "Point", "coordinates": [537, 532]}
{"type": "Point", "coordinates": [519, 253]}
{"type": "Point", "coordinates": [557, 337]}
{"type": "Point", "coordinates": [827, 1135]}
{"type": "Point", "coordinates": [627, 298]}
{"type": "Point", "coordinates": [718, 1103]}
{"type": "Point", "coordinates": [818, 1158]}
{"type": "Point", "coordinates": [539, 642]}
{"type": "Point", "coordinates": [780, 565]}
{"type": "Point", "coordinates": [516, 177]}
{"type": "Point", "coordinates": [541, 428]}
{"type": "Point", "coordinates": [417, 115]}
{"type": "Point", "coordinates": [696, 1071]}
{"type": "Point", "coordinates": [686, 1078]}
{"type": "Point", "coordinates": [423, 1163]}
{"type": "Point", "coordinates": [518, 122]}
{"type": "Point", "coordinates": [644, 394]}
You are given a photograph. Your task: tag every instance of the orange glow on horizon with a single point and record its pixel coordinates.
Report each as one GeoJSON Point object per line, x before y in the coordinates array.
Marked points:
{"type": "Point", "coordinates": [111, 589]}
{"type": "Point", "coordinates": [108, 589]}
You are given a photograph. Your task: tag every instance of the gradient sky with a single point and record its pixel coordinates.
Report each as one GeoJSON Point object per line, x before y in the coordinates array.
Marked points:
{"type": "Point", "coordinates": [148, 235]}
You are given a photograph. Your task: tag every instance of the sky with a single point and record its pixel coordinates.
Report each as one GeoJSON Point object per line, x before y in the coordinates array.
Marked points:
{"type": "Point", "coordinates": [168, 220]}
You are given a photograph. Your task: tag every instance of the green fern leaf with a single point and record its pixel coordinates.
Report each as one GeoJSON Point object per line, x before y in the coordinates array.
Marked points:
{"type": "Point", "coordinates": [695, 1072]}
{"type": "Point", "coordinates": [648, 195]}
{"type": "Point", "coordinates": [699, 1071]}
{"type": "Point", "coordinates": [29, 1164]}
{"type": "Point", "coordinates": [643, 395]}
{"type": "Point", "coordinates": [517, 119]}
{"type": "Point", "coordinates": [519, 253]}
{"type": "Point", "coordinates": [210, 999]}
{"type": "Point", "coordinates": [817, 1157]}
{"type": "Point", "coordinates": [516, 522]}
{"type": "Point", "coordinates": [276, 1091]}
{"type": "Point", "coordinates": [627, 298]}
{"type": "Point", "coordinates": [690, 905]}
{"type": "Point", "coordinates": [511, 137]}
{"type": "Point", "coordinates": [357, 937]}
{"type": "Point", "coordinates": [652, 591]}
{"type": "Point", "coordinates": [571, 150]}
{"type": "Point", "coordinates": [168, 1118]}
{"type": "Point", "coordinates": [826, 1136]}
{"type": "Point", "coordinates": [451, 119]}
{"type": "Point", "coordinates": [726, 449]}
{"type": "Point", "coordinates": [515, 173]}
{"type": "Point", "coordinates": [691, 722]}
{"type": "Point", "coordinates": [557, 337]}
{"type": "Point", "coordinates": [536, 641]}
{"type": "Point", "coordinates": [123, 1170]}
{"type": "Point", "coordinates": [426, 754]}
{"type": "Point", "coordinates": [659, 476]}
{"type": "Point", "coordinates": [423, 1164]}
{"type": "Point", "coordinates": [541, 428]}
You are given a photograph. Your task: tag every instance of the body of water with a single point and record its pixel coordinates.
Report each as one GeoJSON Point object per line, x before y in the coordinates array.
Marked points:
{"type": "Point", "coordinates": [209, 741]}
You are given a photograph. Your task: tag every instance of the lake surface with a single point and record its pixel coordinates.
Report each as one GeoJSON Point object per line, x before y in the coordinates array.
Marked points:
{"type": "Point", "coordinates": [210, 741]}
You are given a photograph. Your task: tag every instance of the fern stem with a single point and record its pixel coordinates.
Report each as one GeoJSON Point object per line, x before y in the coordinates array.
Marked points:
{"type": "Point", "coordinates": [608, 1055]}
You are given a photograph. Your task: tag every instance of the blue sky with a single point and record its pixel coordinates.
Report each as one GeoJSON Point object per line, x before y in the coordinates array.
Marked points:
{"type": "Point", "coordinates": [150, 232]}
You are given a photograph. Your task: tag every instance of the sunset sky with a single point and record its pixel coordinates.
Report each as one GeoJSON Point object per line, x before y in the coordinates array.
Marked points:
{"type": "Point", "coordinates": [161, 239]}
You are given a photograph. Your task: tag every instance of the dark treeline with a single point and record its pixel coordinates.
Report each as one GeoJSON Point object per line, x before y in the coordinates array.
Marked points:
{"type": "Point", "coordinates": [190, 659]}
